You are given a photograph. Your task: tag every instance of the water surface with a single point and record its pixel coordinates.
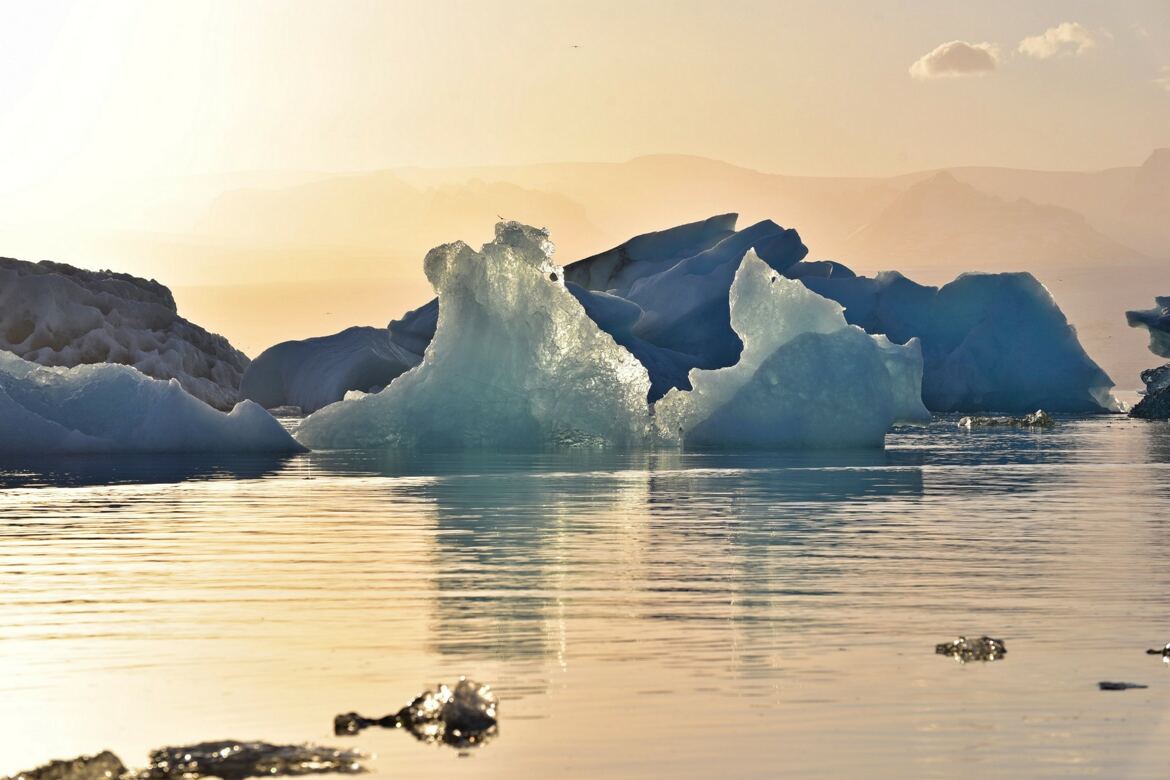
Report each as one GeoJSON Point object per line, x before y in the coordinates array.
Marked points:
{"type": "Point", "coordinates": [649, 615]}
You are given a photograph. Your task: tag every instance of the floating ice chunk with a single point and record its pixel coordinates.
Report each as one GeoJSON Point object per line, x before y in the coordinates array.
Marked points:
{"type": "Point", "coordinates": [232, 760]}
{"type": "Point", "coordinates": [103, 766]}
{"type": "Point", "coordinates": [318, 371]}
{"type": "Point", "coordinates": [514, 363]}
{"type": "Point", "coordinates": [966, 649]}
{"type": "Point", "coordinates": [57, 315]}
{"type": "Point", "coordinates": [1037, 419]}
{"type": "Point", "coordinates": [108, 408]}
{"type": "Point", "coordinates": [1156, 402]}
{"type": "Point", "coordinates": [805, 378]}
{"type": "Point", "coordinates": [463, 716]}
{"type": "Point", "coordinates": [1157, 322]}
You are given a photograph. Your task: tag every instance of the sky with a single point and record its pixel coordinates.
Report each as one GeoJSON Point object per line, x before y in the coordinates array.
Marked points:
{"type": "Point", "coordinates": [94, 92]}
{"type": "Point", "coordinates": [129, 117]}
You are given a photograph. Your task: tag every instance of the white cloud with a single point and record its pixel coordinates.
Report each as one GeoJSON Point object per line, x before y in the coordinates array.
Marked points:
{"type": "Point", "coordinates": [956, 58]}
{"type": "Point", "coordinates": [1062, 40]}
{"type": "Point", "coordinates": [1163, 80]}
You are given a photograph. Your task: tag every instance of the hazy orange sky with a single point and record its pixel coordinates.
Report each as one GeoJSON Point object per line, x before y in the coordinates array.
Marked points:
{"type": "Point", "coordinates": [100, 90]}
{"type": "Point", "coordinates": [129, 118]}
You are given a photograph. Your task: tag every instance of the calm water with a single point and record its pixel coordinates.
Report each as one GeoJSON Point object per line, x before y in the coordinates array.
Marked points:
{"type": "Point", "coordinates": [654, 615]}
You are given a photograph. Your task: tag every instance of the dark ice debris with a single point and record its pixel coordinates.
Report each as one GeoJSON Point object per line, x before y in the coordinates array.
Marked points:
{"type": "Point", "coordinates": [1037, 419]}
{"type": "Point", "coordinates": [103, 766]}
{"type": "Point", "coordinates": [1163, 651]}
{"type": "Point", "coordinates": [462, 717]}
{"type": "Point", "coordinates": [1119, 686]}
{"type": "Point", "coordinates": [227, 760]}
{"type": "Point", "coordinates": [982, 649]}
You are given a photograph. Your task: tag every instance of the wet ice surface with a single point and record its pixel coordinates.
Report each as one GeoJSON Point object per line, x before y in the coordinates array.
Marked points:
{"type": "Point", "coordinates": [462, 717]}
{"type": "Point", "coordinates": [965, 649]}
{"type": "Point", "coordinates": [639, 616]}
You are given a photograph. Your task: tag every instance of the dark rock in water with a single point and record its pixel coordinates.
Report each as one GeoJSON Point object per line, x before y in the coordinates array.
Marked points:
{"type": "Point", "coordinates": [463, 716]}
{"type": "Point", "coordinates": [1119, 686]}
{"type": "Point", "coordinates": [1037, 419]}
{"type": "Point", "coordinates": [982, 649]}
{"type": "Point", "coordinates": [103, 766]}
{"type": "Point", "coordinates": [236, 760]}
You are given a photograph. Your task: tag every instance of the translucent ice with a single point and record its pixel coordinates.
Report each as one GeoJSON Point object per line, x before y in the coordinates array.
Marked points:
{"type": "Point", "coordinates": [232, 760]}
{"type": "Point", "coordinates": [515, 362]}
{"type": "Point", "coordinates": [805, 378]}
{"type": "Point", "coordinates": [965, 649]}
{"type": "Point", "coordinates": [463, 716]}
{"type": "Point", "coordinates": [109, 408]}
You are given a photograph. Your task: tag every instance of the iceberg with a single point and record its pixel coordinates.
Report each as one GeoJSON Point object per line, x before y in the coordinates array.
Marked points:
{"type": "Point", "coordinates": [805, 377]}
{"type": "Point", "coordinates": [57, 315]}
{"type": "Point", "coordinates": [316, 372]}
{"type": "Point", "coordinates": [515, 363]}
{"type": "Point", "coordinates": [1155, 403]}
{"type": "Point", "coordinates": [990, 342]}
{"type": "Point", "coordinates": [112, 408]}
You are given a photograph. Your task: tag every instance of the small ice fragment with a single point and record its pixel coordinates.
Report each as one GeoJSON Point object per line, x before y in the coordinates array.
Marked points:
{"type": "Point", "coordinates": [103, 766]}
{"type": "Point", "coordinates": [1119, 686]}
{"type": "Point", "coordinates": [982, 649]}
{"type": "Point", "coordinates": [463, 716]}
{"type": "Point", "coordinates": [1037, 419]}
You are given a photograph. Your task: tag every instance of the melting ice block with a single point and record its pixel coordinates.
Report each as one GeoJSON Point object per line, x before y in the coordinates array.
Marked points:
{"type": "Point", "coordinates": [110, 408]}
{"type": "Point", "coordinates": [515, 363]}
{"type": "Point", "coordinates": [805, 377]}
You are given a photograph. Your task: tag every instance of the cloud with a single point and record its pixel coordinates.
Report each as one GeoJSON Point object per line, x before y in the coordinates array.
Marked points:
{"type": "Point", "coordinates": [1067, 38]}
{"type": "Point", "coordinates": [1163, 80]}
{"type": "Point", "coordinates": [956, 58]}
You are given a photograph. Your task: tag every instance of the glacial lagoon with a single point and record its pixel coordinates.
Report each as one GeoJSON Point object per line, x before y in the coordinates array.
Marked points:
{"type": "Point", "coordinates": [653, 614]}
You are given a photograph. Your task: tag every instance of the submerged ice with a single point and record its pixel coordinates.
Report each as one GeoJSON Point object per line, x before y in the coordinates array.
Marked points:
{"type": "Point", "coordinates": [515, 362]}
{"type": "Point", "coordinates": [805, 377]}
{"type": "Point", "coordinates": [111, 408]}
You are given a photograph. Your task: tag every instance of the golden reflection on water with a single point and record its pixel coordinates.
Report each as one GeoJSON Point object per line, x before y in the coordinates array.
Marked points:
{"type": "Point", "coordinates": [643, 615]}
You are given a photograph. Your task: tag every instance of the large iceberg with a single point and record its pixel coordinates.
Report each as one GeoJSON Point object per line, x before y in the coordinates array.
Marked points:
{"type": "Point", "coordinates": [805, 378]}
{"type": "Point", "coordinates": [514, 363]}
{"type": "Point", "coordinates": [111, 408]}
{"type": "Point", "coordinates": [990, 342]}
{"type": "Point", "coordinates": [316, 372]}
{"type": "Point", "coordinates": [57, 315]}
{"type": "Point", "coordinates": [1155, 403]}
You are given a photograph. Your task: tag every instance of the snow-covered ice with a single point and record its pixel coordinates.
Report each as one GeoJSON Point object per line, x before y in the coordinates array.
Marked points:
{"type": "Point", "coordinates": [805, 378]}
{"type": "Point", "coordinates": [315, 372]}
{"type": "Point", "coordinates": [514, 363]}
{"type": "Point", "coordinates": [112, 408]}
{"type": "Point", "coordinates": [58, 315]}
